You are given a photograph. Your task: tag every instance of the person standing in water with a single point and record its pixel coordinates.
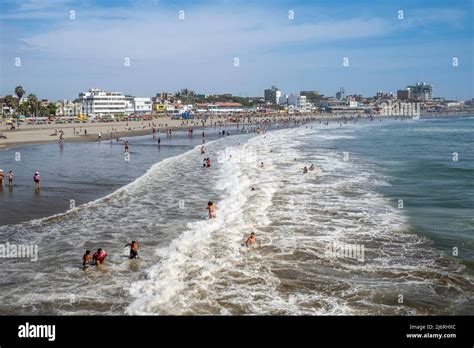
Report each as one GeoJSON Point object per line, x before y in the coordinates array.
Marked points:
{"type": "Point", "coordinates": [159, 141]}
{"type": "Point", "coordinates": [212, 208]}
{"type": "Point", "coordinates": [10, 178]}
{"type": "Point", "coordinates": [37, 180]}
{"type": "Point", "coordinates": [99, 257]}
{"type": "Point", "coordinates": [126, 146]}
{"type": "Point", "coordinates": [133, 249]}
{"type": "Point", "coordinates": [86, 259]}
{"type": "Point", "coordinates": [251, 240]}
{"type": "Point", "coordinates": [1, 177]}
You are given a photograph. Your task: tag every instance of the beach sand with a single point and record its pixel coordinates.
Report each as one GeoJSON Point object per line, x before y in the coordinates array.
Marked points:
{"type": "Point", "coordinates": [33, 134]}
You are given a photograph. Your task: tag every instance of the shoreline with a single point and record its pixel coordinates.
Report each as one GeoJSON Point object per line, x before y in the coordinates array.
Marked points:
{"type": "Point", "coordinates": [39, 134]}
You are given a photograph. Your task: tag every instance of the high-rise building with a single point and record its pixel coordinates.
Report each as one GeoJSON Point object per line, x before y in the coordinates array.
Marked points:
{"type": "Point", "coordinates": [272, 95]}
{"type": "Point", "coordinates": [421, 91]}
{"type": "Point", "coordinates": [341, 95]}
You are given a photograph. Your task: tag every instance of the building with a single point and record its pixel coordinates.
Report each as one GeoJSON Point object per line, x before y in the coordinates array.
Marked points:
{"type": "Point", "coordinates": [298, 101]}
{"type": "Point", "coordinates": [421, 91]}
{"type": "Point", "coordinates": [404, 94]}
{"type": "Point", "coordinates": [341, 95]}
{"type": "Point", "coordinates": [284, 100]}
{"type": "Point", "coordinates": [97, 102]}
{"type": "Point", "coordinates": [67, 108]}
{"type": "Point", "coordinates": [384, 95]}
{"type": "Point", "coordinates": [142, 105]}
{"type": "Point", "coordinates": [224, 107]}
{"type": "Point", "coordinates": [129, 105]}
{"type": "Point", "coordinates": [272, 95]}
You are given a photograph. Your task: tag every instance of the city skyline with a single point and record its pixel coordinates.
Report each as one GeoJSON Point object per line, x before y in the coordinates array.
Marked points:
{"type": "Point", "coordinates": [63, 53]}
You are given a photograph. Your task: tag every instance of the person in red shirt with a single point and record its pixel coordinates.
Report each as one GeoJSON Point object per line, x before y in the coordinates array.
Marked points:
{"type": "Point", "coordinates": [99, 256]}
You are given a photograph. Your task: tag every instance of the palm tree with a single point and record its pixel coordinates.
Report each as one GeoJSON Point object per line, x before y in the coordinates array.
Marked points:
{"type": "Point", "coordinates": [19, 91]}
{"type": "Point", "coordinates": [33, 104]}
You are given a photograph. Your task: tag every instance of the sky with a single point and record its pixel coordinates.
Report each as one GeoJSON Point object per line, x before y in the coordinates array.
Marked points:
{"type": "Point", "coordinates": [59, 48]}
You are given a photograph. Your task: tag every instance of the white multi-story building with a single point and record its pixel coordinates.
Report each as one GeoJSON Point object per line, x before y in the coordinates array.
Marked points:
{"type": "Point", "coordinates": [142, 105]}
{"type": "Point", "coordinates": [129, 105]}
{"type": "Point", "coordinates": [298, 101]}
{"type": "Point", "coordinates": [97, 102]}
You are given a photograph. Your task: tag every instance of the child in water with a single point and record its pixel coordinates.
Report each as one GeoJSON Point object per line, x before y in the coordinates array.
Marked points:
{"type": "Point", "coordinates": [133, 249]}
{"type": "Point", "coordinates": [86, 259]}
{"type": "Point", "coordinates": [37, 179]}
{"type": "Point", "coordinates": [211, 207]}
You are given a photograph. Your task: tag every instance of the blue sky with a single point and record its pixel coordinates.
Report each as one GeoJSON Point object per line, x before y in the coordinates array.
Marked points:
{"type": "Point", "coordinates": [61, 57]}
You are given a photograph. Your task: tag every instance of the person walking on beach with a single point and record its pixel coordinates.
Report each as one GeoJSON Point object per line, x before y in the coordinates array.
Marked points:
{"type": "Point", "coordinates": [133, 249]}
{"type": "Point", "coordinates": [99, 257]}
{"type": "Point", "coordinates": [37, 180]}
{"type": "Point", "coordinates": [251, 240]}
{"type": "Point", "coordinates": [10, 178]}
{"type": "Point", "coordinates": [212, 208]}
{"type": "Point", "coordinates": [86, 259]}
{"type": "Point", "coordinates": [100, 135]}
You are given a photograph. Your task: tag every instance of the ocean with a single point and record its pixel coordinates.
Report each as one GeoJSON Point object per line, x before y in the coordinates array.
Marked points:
{"type": "Point", "coordinates": [383, 225]}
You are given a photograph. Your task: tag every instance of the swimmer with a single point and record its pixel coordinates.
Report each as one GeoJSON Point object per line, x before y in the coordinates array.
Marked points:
{"type": "Point", "coordinates": [99, 257]}
{"type": "Point", "coordinates": [212, 208]}
{"type": "Point", "coordinates": [204, 162]}
{"type": "Point", "coordinates": [305, 170]}
{"type": "Point", "coordinates": [311, 167]}
{"type": "Point", "coordinates": [133, 249]}
{"type": "Point", "coordinates": [208, 162]}
{"type": "Point", "coordinates": [251, 240]}
{"type": "Point", "coordinates": [37, 180]}
{"type": "Point", "coordinates": [262, 165]}
{"type": "Point", "coordinates": [86, 259]}
{"type": "Point", "coordinates": [203, 150]}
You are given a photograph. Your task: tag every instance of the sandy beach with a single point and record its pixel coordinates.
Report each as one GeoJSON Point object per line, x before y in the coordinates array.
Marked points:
{"type": "Point", "coordinates": [32, 134]}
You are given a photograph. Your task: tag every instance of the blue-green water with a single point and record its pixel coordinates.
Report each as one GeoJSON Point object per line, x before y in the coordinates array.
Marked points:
{"type": "Point", "coordinates": [192, 265]}
{"type": "Point", "coordinates": [429, 165]}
